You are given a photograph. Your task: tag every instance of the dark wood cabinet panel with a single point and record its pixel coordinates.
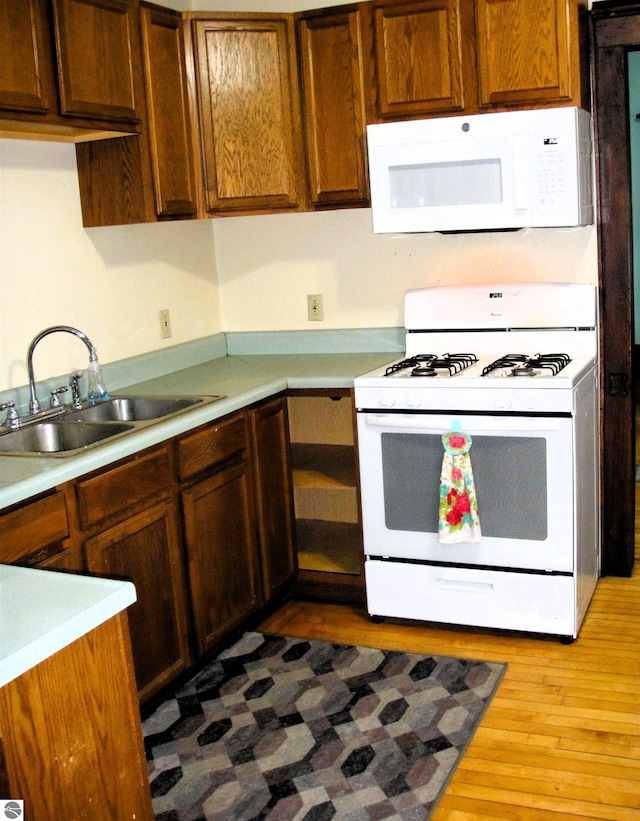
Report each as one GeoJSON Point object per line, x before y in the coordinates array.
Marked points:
{"type": "Point", "coordinates": [36, 533]}
{"type": "Point", "coordinates": [98, 58]}
{"type": "Point", "coordinates": [222, 553]}
{"type": "Point", "coordinates": [248, 111]}
{"type": "Point", "coordinates": [331, 49]}
{"type": "Point", "coordinates": [114, 177]}
{"type": "Point", "coordinates": [25, 72]}
{"type": "Point", "coordinates": [32, 526]}
{"type": "Point", "coordinates": [70, 69]}
{"type": "Point", "coordinates": [169, 118]}
{"type": "Point", "coordinates": [70, 736]}
{"type": "Point", "coordinates": [145, 549]}
{"type": "Point", "coordinates": [126, 519]}
{"type": "Point", "coordinates": [121, 487]}
{"type": "Point", "coordinates": [466, 56]}
{"type": "Point", "coordinates": [150, 176]}
{"type": "Point", "coordinates": [274, 495]}
{"type": "Point", "coordinates": [424, 52]}
{"type": "Point", "coordinates": [211, 444]}
{"type": "Point", "coordinates": [525, 51]}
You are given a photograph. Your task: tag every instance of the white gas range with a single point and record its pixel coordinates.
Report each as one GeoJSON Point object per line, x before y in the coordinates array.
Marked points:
{"type": "Point", "coordinates": [512, 367]}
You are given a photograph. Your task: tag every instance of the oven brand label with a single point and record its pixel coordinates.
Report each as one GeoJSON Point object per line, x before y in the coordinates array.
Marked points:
{"type": "Point", "coordinates": [495, 295]}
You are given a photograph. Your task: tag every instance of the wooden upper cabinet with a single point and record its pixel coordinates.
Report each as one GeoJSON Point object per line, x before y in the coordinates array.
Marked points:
{"type": "Point", "coordinates": [169, 122]}
{"type": "Point", "coordinates": [249, 111]}
{"type": "Point", "coordinates": [528, 53]}
{"type": "Point", "coordinates": [333, 93]}
{"type": "Point", "coordinates": [466, 56]}
{"type": "Point", "coordinates": [25, 74]}
{"type": "Point", "coordinates": [424, 54]}
{"type": "Point", "coordinates": [98, 50]}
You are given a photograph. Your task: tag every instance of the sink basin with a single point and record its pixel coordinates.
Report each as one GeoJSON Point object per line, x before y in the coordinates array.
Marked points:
{"type": "Point", "coordinates": [57, 437]}
{"type": "Point", "coordinates": [137, 408]}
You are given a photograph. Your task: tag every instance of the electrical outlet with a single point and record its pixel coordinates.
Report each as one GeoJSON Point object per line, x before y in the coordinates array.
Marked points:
{"type": "Point", "coordinates": [314, 308]}
{"type": "Point", "coordinates": [165, 324]}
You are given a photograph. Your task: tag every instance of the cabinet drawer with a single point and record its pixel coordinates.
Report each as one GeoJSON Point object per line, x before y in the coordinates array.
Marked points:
{"type": "Point", "coordinates": [106, 494]}
{"type": "Point", "coordinates": [211, 445]}
{"type": "Point", "coordinates": [32, 527]}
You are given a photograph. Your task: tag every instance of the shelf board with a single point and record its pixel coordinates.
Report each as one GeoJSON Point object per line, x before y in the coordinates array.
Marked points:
{"type": "Point", "coordinates": [333, 547]}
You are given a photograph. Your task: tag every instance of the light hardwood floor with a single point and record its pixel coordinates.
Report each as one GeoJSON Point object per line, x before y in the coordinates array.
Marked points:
{"type": "Point", "coordinates": [561, 738]}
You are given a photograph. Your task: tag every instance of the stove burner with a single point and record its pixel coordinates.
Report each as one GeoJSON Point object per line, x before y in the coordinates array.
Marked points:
{"type": "Point", "coordinates": [426, 365]}
{"type": "Point", "coordinates": [520, 365]}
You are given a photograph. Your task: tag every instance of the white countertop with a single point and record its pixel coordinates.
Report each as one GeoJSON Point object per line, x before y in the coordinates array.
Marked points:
{"type": "Point", "coordinates": [42, 611]}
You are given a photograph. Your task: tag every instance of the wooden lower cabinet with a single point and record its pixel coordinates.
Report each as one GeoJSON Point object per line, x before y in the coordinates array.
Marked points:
{"type": "Point", "coordinates": [145, 549]}
{"type": "Point", "coordinates": [126, 518]}
{"type": "Point", "coordinates": [222, 553]}
{"type": "Point", "coordinates": [237, 517]}
{"type": "Point", "coordinates": [70, 736]}
{"type": "Point", "coordinates": [274, 496]}
{"type": "Point", "coordinates": [202, 525]}
{"type": "Point", "coordinates": [35, 533]}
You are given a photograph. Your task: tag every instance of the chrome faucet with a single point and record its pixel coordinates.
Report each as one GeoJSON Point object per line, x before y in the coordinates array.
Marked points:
{"type": "Point", "coordinates": [97, 390]}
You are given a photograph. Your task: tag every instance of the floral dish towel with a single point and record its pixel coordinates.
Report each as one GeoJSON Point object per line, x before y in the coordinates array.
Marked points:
{"type": "Point", "coordinates": [458, 513]}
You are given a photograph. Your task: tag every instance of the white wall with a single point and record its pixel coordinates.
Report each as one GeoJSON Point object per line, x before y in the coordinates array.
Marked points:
{"type": "Point", "coordinates": [267, 265]}
{"type": "Point", "coordinates": [109, 282]}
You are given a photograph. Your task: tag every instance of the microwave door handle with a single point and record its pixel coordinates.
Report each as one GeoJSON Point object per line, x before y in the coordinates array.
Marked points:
{"type": "Point", "coordinates": [441, 424]}
{"type": "Point", "coordinates": [520, 170]}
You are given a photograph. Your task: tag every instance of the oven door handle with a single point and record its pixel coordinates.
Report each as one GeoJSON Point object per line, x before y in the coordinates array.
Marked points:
{"type": "Point", "coordinates": [440, 424]}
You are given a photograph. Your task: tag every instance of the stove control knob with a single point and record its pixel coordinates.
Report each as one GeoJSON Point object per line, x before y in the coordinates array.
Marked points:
{"type": "Point", "coordinates": [503, 401]}
{"type": "Point", "coordinates": [386, 400]}
{"type": "Point", "coordinates": [413, 399]}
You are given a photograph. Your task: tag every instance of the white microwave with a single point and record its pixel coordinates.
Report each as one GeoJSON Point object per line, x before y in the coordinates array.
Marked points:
{"type": "Point", "coordinates": [507, 170]}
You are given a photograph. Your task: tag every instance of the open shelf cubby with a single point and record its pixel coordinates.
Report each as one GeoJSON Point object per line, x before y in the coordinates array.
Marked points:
{"type": "Point", "coordinates": [325, 488]}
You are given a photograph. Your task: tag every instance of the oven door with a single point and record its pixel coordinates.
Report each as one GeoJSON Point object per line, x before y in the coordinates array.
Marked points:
{"type": "Point", "coordinates": [523, 471]}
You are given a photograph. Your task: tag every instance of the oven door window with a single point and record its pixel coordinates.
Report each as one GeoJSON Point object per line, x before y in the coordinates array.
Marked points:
{"type": "Point", "coordinates": [510, 475]}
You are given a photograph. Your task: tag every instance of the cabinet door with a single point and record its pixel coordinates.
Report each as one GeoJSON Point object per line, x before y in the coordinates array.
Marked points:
{"type": "Point", "coordinates": [274, 495]}
{"type": "Point", "coordinates": [25, 73]}
{"type": "Point", "coordinates": [331, 53]}
{"type": "Point", "coordinates": [98, 53]}
{"type": "Point", "coordinates": [249, 115]}
{"type": "Point", "coordinates": [424, 56]}
{"type": "Point", "coordinates": [525, 51]}
{"type": "Point", "coordinates": [168, 116]}
{"type": "Point", "coordinates": [220, 532]}
{"type": "Point", "coordinates": [145, 549]}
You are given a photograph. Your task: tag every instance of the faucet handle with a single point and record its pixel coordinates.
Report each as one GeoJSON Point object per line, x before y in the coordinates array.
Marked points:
{"type": "Point", "coordinates": [74, 382]}
{"type": "Point", "coordinates": [55, 392]}
{"type": "Point", "coordinates": [12, 413]}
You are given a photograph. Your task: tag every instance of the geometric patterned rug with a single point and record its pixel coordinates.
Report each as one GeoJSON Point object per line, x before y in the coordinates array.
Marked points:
{"type": "Point", "coordinates": [284, 728]}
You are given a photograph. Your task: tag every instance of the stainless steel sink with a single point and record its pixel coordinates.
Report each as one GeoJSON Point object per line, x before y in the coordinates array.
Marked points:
{"type": "Point", "coordinates": [137, 408]}
{"type": "Point", "coordinates": [58, 438]}
{"type": "Point", "coordinates": [75, 430]}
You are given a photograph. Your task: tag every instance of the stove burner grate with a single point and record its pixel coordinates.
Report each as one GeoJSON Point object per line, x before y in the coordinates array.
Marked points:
{"type": "Point", "coordinates": [522, 365]}
{"type": "Point", "coordinates": [429, 364]}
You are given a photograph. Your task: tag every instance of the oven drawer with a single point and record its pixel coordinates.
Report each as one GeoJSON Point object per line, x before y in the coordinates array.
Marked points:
{"type": "Point", "coordinates": [539, 603]}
